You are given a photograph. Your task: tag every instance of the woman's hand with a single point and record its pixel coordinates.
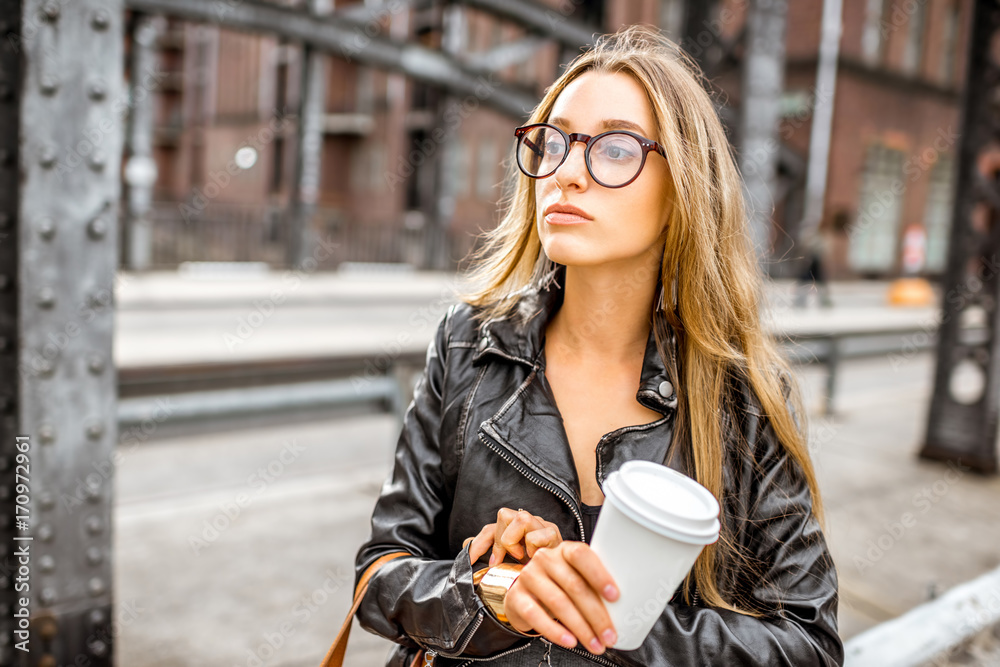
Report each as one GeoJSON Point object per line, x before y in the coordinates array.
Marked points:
{"type": "Point", "coordinates": [517, 532]}
{"type": "Point", "coordinates": [560, 593]}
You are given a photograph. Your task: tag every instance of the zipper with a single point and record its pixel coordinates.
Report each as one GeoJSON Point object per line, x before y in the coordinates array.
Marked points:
{"type": "Point", "coordinates": [514, 460]}
{"type": "Point", "coordinates": [586, 654]}
{"type": "Point", "coordinates": [469, 661]}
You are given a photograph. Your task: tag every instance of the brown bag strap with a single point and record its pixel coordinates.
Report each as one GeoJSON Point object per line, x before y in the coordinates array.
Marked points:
{"type": "Point", "coordinates": [335, 656]}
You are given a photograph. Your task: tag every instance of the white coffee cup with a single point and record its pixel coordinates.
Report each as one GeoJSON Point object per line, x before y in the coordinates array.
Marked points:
{"type": "Point", "coordinates": [654, 523]}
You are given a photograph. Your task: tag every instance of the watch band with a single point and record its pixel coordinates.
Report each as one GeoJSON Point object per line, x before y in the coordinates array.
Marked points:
{"type": "Point", "coordinates": [492, 585]}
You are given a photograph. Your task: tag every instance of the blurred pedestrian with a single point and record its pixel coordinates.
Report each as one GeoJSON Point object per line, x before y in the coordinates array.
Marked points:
{"type": "Point", "coordinates": [812, 279]}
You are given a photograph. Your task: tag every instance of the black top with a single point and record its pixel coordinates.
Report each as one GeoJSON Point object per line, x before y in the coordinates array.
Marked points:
{"type": "Point", "coordinates": [590, 513]}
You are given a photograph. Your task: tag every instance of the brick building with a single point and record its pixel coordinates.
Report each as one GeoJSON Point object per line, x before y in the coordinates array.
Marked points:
{"type": "Point", "coordinates": [894, 134]}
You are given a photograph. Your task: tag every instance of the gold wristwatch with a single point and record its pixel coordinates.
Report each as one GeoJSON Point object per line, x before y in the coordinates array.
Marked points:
{"type": "Point", "coordinates": [492, 584]}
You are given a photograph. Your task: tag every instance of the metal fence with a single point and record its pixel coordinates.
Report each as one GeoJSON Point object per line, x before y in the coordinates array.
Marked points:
{"type": "Point", "coordinates": [255, 233]}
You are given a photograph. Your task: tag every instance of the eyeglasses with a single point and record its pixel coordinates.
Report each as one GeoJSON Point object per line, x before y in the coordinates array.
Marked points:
{"type": "Point", "coordinates": [614, 159]}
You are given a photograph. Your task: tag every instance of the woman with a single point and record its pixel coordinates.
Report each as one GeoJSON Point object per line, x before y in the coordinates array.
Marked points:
{"type": "Point", "coordinates": [571, 359]}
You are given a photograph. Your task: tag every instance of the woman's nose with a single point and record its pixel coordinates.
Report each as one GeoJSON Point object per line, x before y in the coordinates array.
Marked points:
{"type": "Point", "coordinates": [574, 169]}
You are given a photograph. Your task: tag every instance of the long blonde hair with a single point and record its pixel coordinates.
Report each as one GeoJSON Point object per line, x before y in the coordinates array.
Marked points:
{"type": "Point", "coordinates": [707, 251]}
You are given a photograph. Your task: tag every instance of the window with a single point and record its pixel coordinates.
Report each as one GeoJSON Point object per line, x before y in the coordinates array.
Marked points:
{"type": "Point", "coordinates": [871, 33]}
{"type": "Point", "coordinates": [937, 213]}
{"type": "Point", "coordinates": [949, 44]}
{"type": "Point", "coordinates": [458, 167]}
{"type": "Point", "coordinates": [873, 236]}
{"type": "Point", "coordinates": [486, 169]}
{"type": "Point", "coordinates": [914, 36]}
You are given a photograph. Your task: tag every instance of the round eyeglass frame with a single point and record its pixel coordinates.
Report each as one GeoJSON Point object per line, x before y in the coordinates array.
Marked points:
{"type": "Point", "coordinates": [647, 145]}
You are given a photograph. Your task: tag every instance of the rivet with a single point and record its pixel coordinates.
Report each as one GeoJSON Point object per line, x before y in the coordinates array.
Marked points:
{"type": "Point", "coordinates": [47, 660]}
{"type": "Point", "coordinates": [47, 157]}
{"type": "Point", "coordinates": [101, 20]}
{"type": "Point", "coordinates": [97, 616]}
{"type": "Point", "coordinates": [97, 91]}
{"type": "Point", "coordinates": [94, 557]}
{"type": "Point", "coordinates": [666, 389]}
{"type": "Point", "coordinates": [98, 648]}
{"type": "Point", "coordinates": [47, 433]}
{"type": "Point", "coordinates": [44, 368]}
{"type": "Point", "coordinates": [98, 160]}
{"type": "Point", "coordinates": [95, 364]}
{"type": "Point", "coordinates": [97, 228]}
{"type": "Point", "coordinates": [47, 563]}
{"type": "Point", "coordinates": [46, 297]}
{"type": "Point", "coordinates": [46, 500]}
{"type": "Point", "coordinates": [95, 586]}
{"type": "Point", "coordinates": [51, 11]}
{"type": "Point", "coordinates": [93, 494]}
{"type": "Point", "coordinates": [46, 228]}
{"type": "Point", "coordinates": [95, 430]}
{"type": "Point", "coordinates": [45, 533]}
{"type": "Point", "coordinates": [94, 525]}
{"type": "Point", "coordinates": [48, 596]}
{"type": "Point", "coordinates": [49, 84]}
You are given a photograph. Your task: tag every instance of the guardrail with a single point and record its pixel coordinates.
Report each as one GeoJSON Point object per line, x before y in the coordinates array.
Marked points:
{"type": "Point", "coordinates": [215, 390]}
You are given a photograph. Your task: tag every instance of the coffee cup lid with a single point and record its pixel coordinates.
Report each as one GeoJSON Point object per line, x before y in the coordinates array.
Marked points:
{"type": "Point", "coordinates": [665, 501]}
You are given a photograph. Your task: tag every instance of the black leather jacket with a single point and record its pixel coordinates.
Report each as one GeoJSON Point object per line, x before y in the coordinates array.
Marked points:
{"type": "Point", "coordinates": [483, 432]}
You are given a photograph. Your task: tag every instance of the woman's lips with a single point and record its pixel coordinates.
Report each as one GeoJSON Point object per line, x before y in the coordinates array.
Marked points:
{"type": "Point", "coordinates": [556, 218]}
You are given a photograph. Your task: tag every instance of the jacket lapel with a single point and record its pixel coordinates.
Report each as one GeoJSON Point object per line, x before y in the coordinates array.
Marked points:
{"type": "Point", "coordinates": [529, 424]}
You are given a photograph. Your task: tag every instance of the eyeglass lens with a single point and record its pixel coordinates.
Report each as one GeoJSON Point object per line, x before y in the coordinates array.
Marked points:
{"type": "Point", "coordinates": [614, 158]}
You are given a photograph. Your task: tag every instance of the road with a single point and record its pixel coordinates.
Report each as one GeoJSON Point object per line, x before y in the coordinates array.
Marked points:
{"type": "Point", "coordinates": [238, 546]}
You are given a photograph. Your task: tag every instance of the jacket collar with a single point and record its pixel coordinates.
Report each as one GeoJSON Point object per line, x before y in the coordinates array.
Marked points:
{"type": "Point", "coordinates": [520, 338]}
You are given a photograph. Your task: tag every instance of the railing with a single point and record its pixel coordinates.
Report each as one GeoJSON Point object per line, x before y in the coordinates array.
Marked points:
{"type": "Point", "coordinates": [183, 232]}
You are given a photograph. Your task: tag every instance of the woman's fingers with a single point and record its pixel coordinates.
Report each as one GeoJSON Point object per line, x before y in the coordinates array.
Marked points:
{"type": "Point", "coordinates": [515, 532]}
{"type": "Point", "coordinates": [482, 542]}
{"type": "Point", "coordinates": [528, 614]}
{"type": "Point", "coordinates": [555, 581]}
{"type": "Point", "coordinates": [511, 527]}
{"type": "Point", "coordinates": [548, 537]}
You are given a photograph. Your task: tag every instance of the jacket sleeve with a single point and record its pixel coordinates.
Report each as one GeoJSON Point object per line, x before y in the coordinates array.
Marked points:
{"type": "Point", "coordinates": [427, 599]}
{"type": "Point", "coordinates": [795, 583]}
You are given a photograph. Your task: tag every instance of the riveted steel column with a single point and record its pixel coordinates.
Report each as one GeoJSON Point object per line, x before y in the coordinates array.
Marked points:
{"type": "Point", "coordinates": [10, 11]}
{"type": "Point", "coordinates": [963, 420]}
{"type": "Point", "coordinates": [72, 114]}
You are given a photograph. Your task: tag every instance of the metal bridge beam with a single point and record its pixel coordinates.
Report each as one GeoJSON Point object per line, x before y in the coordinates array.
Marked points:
{"type": "Point", "coordinates": [353, 41]}
{"type": "Point", "coordinates": [962, 424]}
{"type": "Point", "coordinates": [63, 113]}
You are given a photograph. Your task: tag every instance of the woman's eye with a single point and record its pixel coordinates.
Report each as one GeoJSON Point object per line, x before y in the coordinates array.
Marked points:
{"type": "Point", "coordinates": [617, 152]}
{"type": "Point", "coordinates": [553, 147]}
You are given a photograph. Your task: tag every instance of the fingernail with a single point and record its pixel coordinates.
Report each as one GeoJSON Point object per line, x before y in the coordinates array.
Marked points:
{"type": "Point", "coordinates": [610, 592]}
{"type": "Point", "coordinates": [569, 640]}
{"type": "Point", "coordinates": [595, 646]}
{"type": "Point", "coordinates": [493, 558]}
{"type": "Point", "coordinates": [609, 637]}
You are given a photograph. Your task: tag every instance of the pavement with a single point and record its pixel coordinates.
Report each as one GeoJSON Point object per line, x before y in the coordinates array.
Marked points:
{"type": "Point", "coordinates": [268, 582]}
